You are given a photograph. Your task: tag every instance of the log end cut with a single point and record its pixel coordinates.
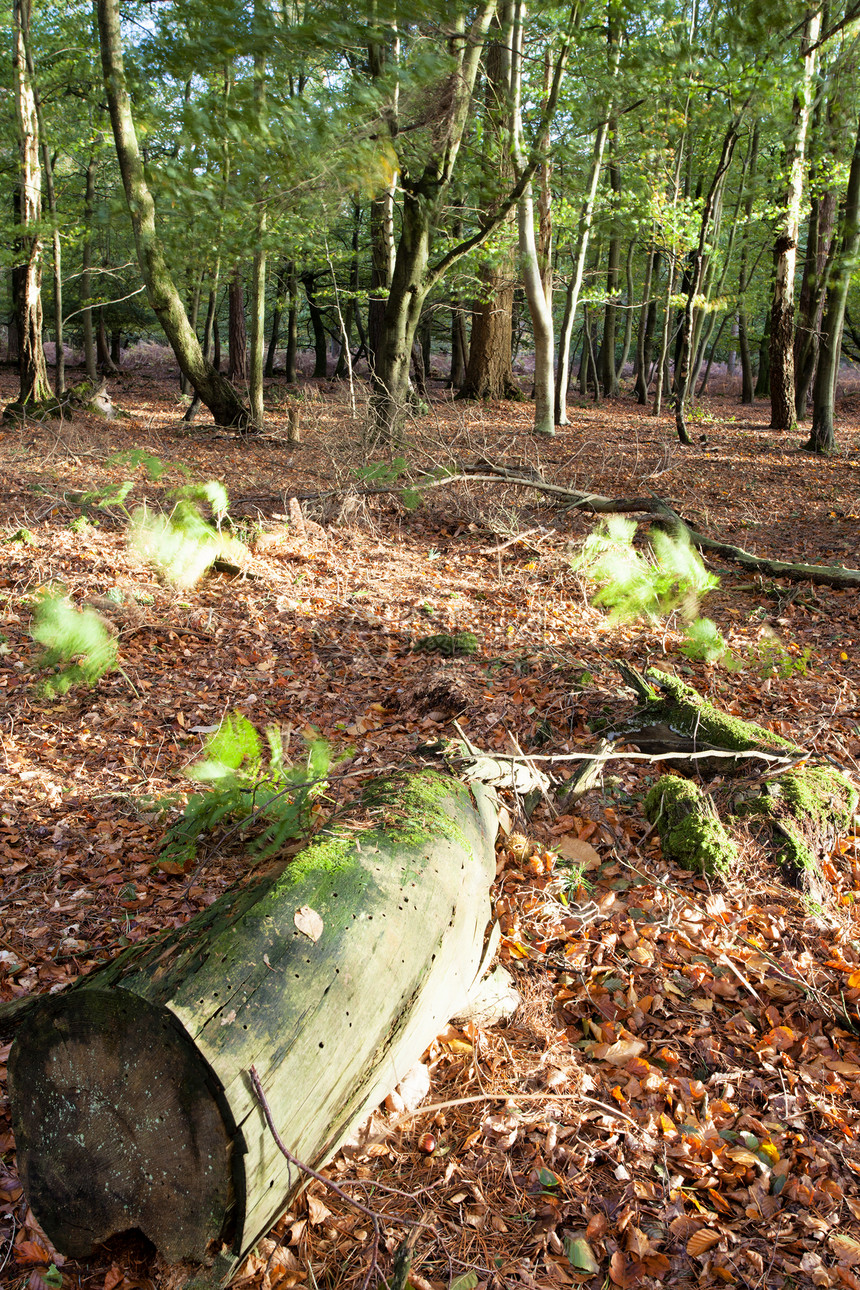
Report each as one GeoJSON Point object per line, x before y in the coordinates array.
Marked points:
{"type": "Point", "coordinates": [117, 1126]}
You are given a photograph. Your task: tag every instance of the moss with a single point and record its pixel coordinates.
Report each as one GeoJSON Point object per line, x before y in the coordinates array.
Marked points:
{"type": "Point", "coordinates": [442, 643]}
{"type": "Point", "coordinates": [412, 807]}
{"type": "Point", "coordinates": [690, 831]}
{"type": "Point", "coordinates": [686, 711]}
{"type": "Point", "coordinates": [806, 805]}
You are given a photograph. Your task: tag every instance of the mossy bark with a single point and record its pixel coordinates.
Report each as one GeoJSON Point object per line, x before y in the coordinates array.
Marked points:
{"type": "Point", "coordinates": [131, 1099]}
{"type": "Point", "coordinates": [690, 830]}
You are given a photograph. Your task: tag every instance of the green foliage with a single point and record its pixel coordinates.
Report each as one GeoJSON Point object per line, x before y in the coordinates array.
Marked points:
{"type": "Point", "coordinates": [771, 658]}
{"type": "Point", "coordinates": [704, 640]}
{"type": "Point", "coordinates": [669, 578]}
{"type": "Point", "coordinates": [75, 640]}
{"type": "Point", "coordinates": [25, 536]}
{"type": "Point", "coordinates": [154, 466]}
{"type": "Point", "coordinates": [271, 801]}
{"type": "Point", "coordinates": [184, 544]}
{"type": "Point", "coordinates": [382, 472]}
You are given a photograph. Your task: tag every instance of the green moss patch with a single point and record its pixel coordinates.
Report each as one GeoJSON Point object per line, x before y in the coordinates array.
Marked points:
{"type": "Point", "coordinates": [690, 831]}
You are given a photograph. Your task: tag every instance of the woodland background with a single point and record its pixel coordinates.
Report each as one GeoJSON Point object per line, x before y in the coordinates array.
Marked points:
{"type": "Point", "coordinates": [676, 1102]}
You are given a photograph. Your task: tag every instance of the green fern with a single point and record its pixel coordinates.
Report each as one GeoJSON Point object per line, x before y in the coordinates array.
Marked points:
{"type": "Point", "coordinates": [703, 639]}
{"type": "Point", "coordinates": [184, 544]}
{"type": "Point", "coordinates": [75, 640]}
{"type": "Point", "coordinates": [271, 801]}
{"type": "Point", "coordinates": [669, 577]}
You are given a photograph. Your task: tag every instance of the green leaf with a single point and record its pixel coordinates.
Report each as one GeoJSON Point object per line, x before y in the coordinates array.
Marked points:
{"type": "Point", "coordinates": [467, 1281]}
{"type": "Point", "coordinates": [580, 1255]}
{"type": "Point", "coordinates": [75, 640]}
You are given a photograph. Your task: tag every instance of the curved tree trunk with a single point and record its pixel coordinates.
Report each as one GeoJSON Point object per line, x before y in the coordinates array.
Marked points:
{"type": "Point", "coordinates": [131, 1096]}
{"type": "Point", "coordinates": [218, 394]}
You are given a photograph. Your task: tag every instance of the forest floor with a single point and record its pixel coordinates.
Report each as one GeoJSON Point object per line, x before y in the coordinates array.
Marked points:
{"type": "Point", "coordinates": [677, 1101]}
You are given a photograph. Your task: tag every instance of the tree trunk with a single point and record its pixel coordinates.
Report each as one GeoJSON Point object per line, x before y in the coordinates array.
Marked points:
{"type": "Point", "coordinates": [32, 371]}
{"type": "Point", "coordinates": [104, 361]}
{"type": "Point", "coordinates": [489, 374]}
{"type": "Point", "coordinates": [819, 245]}
{"type": "Point", "coordinates": [277, 311]}
{"type": "Point", "coordinates": [320, 342]}
{"type": "Point", "coordinates": [782, 411]}
{"type": "Point", "coordinates": [258, 269]}
{"type": "Point", "coordinates": [608, 372]}
{"type": "Point", "coordinates": [459, 349]}
{"type": "Point", "coordinates": [218, 394]}
{"type": "Point", "coordinates": [50, 193]}
{"type": "Point", "coordinates": [574, 286]}
{"type": "Point", "coordinates": [823, 439]}
{"type": "Point", "coordinates": [131, 1098]}
{"type": "Point", "coordinates": [90, 362]}
{"type": "Point", "coordinates": [684, 373]}
{"type": "Point", "coordinates": [237, 332]}
{"type": "Point", "coordinates": [744, 272]}
{"type": "Point", "coordinates": [292, 324]}
{"type": "Point", "coordinates": [647, 318]}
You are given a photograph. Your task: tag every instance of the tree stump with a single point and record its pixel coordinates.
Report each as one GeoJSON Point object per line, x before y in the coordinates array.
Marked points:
{"type": "Point", "coordinates": [132, 1103]}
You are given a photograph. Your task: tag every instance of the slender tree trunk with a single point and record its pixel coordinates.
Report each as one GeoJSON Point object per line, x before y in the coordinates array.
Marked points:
{"type": "Point", "coordinates": [317, 327]}
{"type": "Point", "coordinates": [647, 318]}
{"type": "Point", "coordinates": [116, 347]}
{"type": "Point", "coordinates": [292, 324]}
{"type": "Point", "coordinates": [628, 309]}
{"type": "Point", "coordinates": [540, 307]}
{"type": "Point", "coordinates": [459, 349]}
{"type": "Point", "coordinates": [32, 371]}
{"type": "Point", "coordinates": [104, 360]}
{"type": "Point", "coordinates": [782, 409]}
{"type": "Point", "coordinates": [258, 269]}
{"type": "Point", "coordinates": [823, 439]}
{"type": "Point", "coordinates": [762, 382]}
{"type": "Point", "coordinates": [747, 392]}
{"type": "Point", "coordinates": [574, 285]}
{"type": "Point", "coordinates": [608, 372]}
{"type": "Point", "coordinates": [218, 394]}
{"type": "Point", "coordinates": [86, 272]}
{"type": "Point", "coordinates": [277, 312]}
{"type": "Point", "coordinates": [50, 193]}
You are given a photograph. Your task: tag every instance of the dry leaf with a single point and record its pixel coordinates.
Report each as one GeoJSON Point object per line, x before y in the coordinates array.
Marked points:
{"type": "Point", "coordinates": [317, 1211]}
{"type": "Point", "coordinates": [582, 853]}
{"type": "Point", "coordinates": [309, 923]}
{"type": "Point", "coordinates": [623, 1051]}
{"type": "Point", "coordinates": [846, 1249]}
{"type": "Point", "coordinates": [702, 1241]}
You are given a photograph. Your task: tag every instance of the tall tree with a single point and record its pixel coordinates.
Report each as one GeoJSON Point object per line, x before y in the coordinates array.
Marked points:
{"type": "Point", "coordinates": [822, 438]}
{"type": "Point", "coordinates": [218, 394]}
{"type": "Point", "coordinates": [32, 371]}
{"type": "Point", "coordinates": [782, 408]}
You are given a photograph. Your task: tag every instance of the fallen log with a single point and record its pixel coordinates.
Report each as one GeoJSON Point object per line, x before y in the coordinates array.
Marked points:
{"type": "Point", "coordinates": [132, 1103]}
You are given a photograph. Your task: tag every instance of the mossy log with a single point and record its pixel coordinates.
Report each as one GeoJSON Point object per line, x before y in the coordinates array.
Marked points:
{"type": "Point", "coordinates": [673, 717]}
{"type": "Point", "coordinates": [690, 830]}
{"type": "Point", "coordinates": [132, 1103]}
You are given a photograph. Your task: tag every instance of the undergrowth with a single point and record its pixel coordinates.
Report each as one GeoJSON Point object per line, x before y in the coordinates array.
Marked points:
{"type": "Point", "coordinates": [269, 800]}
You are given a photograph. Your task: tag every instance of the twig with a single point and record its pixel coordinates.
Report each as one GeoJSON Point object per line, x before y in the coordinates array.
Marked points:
{"type": "Point", "coordinates": [547, 1096]}
{"type": "Point", "coordinates": [307, 1169]}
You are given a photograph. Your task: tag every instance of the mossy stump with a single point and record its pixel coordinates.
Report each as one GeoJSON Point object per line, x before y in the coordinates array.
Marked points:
{"type": "Point", "coordinates": [690, 830]}
{"type": "Point", "coordinates": [807, 808]}
{"type": "Point", "coordinates": [132, 1104]}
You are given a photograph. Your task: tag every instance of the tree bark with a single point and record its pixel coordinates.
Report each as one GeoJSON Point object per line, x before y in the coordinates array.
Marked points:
{"type": "Point", "coordinates": [237, 332]}
{"type": "Point", "coordinates": [218, 394]}
{"type": "Point", "coordinates": [131, 1099]}
{"type": "Point", "coordinates": [32, 370]}
{"type": "Point", "coordinates": [608, 372]}
{"type": "Point", "coordinates": [822, 438]}
{"type": "Point", "coordinates": [647, 318]}
{"type": "Point", "coordinates": [782, 409]}
{"type": "Point", "coordinates": [292, 324]}
{"type": "Point", "coordinates": [320, 342]}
